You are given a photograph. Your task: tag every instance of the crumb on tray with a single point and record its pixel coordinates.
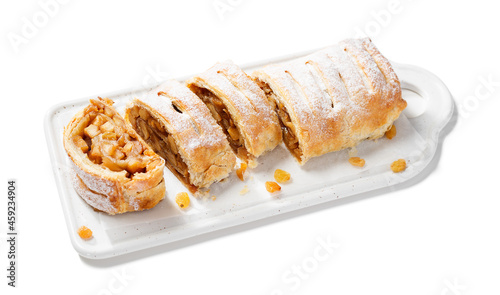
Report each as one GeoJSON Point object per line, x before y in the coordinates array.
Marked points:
{"type": "Point", "coordinates": [244, 190]}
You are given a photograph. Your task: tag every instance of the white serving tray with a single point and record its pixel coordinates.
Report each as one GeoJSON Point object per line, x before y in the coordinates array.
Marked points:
{"type": "Point", "coordinates": [321, 180]}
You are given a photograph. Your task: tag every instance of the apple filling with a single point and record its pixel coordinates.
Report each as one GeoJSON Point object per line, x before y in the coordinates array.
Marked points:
{"type": "Point", "coordinates": [288, 129]}
{"type": "Point", "coordinates": [223, 118]}
{"type": "Point", "coordinates": [163, 143]}
{"type": "Point", "coordinates": [106, 142]}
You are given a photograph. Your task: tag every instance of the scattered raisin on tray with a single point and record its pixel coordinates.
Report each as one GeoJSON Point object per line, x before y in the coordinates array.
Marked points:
{"type": "Point", "coordinates": [182, 200]}
{"type": "Point", "coordinates": [281, 176]}
{"type": "Point", "coordinates": [272, 186]}
{"type": "Point", "coordinates": [398, 165]}
{"type": "Point", "coordinates": [357, 161]}
{"type": "Point", "coordinates": [84, 232]}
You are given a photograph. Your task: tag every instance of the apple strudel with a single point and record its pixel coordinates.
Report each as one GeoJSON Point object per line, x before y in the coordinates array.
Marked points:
{"type": "Point", "coordinates": [114, 170]}
{"type": "Point", "coordinates": [334, 98]}
{"type": "Point", "coordinates": [179, 127]}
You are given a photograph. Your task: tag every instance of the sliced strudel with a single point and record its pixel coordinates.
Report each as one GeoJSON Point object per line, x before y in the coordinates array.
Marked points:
{"type": "Point", "coordinates": [334, 98]}
{"type": "Point", "coordinates": [241, 108]}
{"type": "Point", "coordinates": [180, 128]}
{"type": "Point", "coordinates": [114, 169]}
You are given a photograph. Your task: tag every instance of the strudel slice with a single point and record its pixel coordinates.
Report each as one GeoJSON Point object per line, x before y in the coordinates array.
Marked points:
{"type": "Point", "coordinates": [241, 108]}
{"type": "Point", "coordinates": [114, 169]}
{"type": "Point", "coordinates": [180, 128]}
{"type": "Point", "coordinates": [334, 98]}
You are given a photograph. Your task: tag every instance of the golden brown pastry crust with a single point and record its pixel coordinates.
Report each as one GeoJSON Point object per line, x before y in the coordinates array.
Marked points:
{"type": "Point", "coordinates": [334, 98]}
{"type": "Point", "coordinates": [135, 180]}
{"type": "Point", "coordinates": [179, 127]}
{"type": "Point", "coordinates": [251, 126]}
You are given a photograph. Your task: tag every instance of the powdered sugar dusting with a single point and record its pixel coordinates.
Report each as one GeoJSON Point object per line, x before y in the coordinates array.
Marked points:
{"type": "Point", "coordinates": [194, 114]}
{"type": "Point", "coordinates": [254, 95]}
{"type": "Point", "coordinates": [383, 66]}
{"type": "Point", "coordinates": [96, 198]}
{"type": "Point", "coordinates": [331, 80]}
{"type": "Point", "coordinates": [367, 65]}
{"type": "Point", "coordinates": [349, 73]}
{"type": "Point", "coordinates": [320, 104]}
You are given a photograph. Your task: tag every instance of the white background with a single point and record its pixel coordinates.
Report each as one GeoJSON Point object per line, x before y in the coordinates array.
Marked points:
{"type": "Point", "coordinates": [437, 234]}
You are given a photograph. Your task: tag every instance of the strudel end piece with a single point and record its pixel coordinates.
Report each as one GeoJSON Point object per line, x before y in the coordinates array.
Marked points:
{"type": "Point", "coordinates": [114, 170]}
{"type": "Point", "coordinates": [334, 98]}
{"type": "Point", "coordinates": [241, 108]}
{"type": "Point", "coordinates": [180, 128]}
